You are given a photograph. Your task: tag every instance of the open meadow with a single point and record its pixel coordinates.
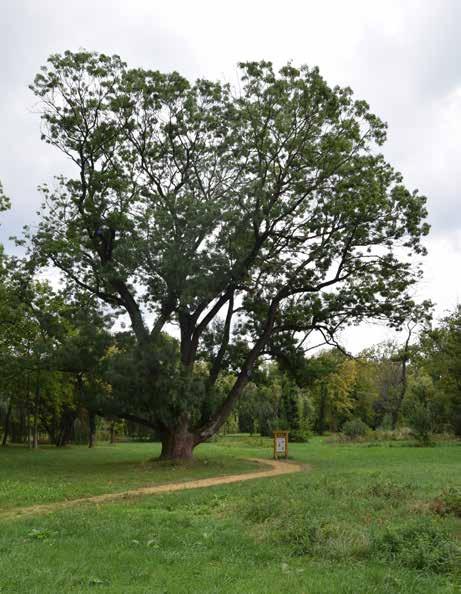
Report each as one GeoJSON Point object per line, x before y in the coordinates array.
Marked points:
{"type": "Point", "coordinates": [359, 519]}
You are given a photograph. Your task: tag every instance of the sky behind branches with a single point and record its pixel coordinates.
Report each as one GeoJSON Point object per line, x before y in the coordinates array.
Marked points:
{"type": "Point", "coordinates": [401, 56]}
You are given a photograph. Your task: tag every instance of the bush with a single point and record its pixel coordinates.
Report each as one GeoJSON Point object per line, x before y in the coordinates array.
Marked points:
{"type": "Point", "coordinates": [300, 436]}
{"type": "Point", "coordinates": [421, 421]}
{"type": "Point", "coordinates": [386, 423]}
{"type": "Point", "coordinates": [419, 545]}
{"type": "Point", "coordinates": [355, 428]}
{"type": "Point", "coordinates": [419, 411]}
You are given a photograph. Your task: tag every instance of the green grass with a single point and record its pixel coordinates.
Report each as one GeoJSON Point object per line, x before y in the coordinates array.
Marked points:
{"type": "Point", "coordinates": [49, 474]}
{"type": "Point", "coordinates": [358, 523]}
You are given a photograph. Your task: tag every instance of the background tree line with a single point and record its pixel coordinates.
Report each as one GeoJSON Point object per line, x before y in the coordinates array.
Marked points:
{"type": "Point", "coordinates": [65, 372]}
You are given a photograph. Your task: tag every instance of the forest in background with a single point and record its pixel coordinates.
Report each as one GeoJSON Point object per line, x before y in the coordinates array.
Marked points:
{"type": "Point", "coordinates": [68, 378]}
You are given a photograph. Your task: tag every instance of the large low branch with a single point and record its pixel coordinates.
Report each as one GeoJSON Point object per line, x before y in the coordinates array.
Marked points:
{"type": "Point", "coordinates": [133, 309]}
{"type": "Point", "coordinates": [128, 417]}
{"type": "Point", "coordinates": [205, 432]}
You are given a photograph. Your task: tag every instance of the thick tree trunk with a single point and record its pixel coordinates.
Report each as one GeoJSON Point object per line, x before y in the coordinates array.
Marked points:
{"type": "Point", "coordinates": [66, 428]}
{"type": "Point", "coordinates": [29, 432]}
{"type": "Point", "coordinates": [35, 432]}
{"type": "Point", "coordinates": [178, 445]}
{"type": "Point", "coordinates": [36, 411]}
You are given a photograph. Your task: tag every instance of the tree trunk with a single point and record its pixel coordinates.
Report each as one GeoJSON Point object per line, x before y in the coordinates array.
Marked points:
{"type": "Point", "coordinates": [178, 445]}
{"type": "Point", "coordinates": [29, 432]}
{"type": "Point", "coordinates": [405, 357]}
{"type": "Point", "coordinates": [66, 427]}
{"type": "Point", "coordinates": [92, 429]}
{"type": "Point", "coordinates": [112, 433]}
{"type": "Point", "coordinates": [36, 410]}
{"type": "Point", "coordinates": [402, 392]}
{"type": "Point", "coordinates": [6, 426]}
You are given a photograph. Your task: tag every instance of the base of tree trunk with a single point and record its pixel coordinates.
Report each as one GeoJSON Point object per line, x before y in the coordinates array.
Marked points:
{"type": "Point", "coordinates": [178, 446]}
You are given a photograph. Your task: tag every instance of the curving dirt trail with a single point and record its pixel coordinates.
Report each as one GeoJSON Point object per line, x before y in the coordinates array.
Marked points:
{"type": "Point", "coordinates": [277, 468]}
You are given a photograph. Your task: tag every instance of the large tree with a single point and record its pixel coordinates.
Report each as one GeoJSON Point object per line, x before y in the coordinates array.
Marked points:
{"type": "Point", "coordinates": [254, 215]}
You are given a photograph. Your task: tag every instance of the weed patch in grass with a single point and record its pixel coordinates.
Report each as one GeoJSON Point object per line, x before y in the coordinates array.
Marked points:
{"type": "Point", "coordinates": [421, 544]}
{"type": "Point", "coordinates": [389, 490]}
{"type": "Point", "coordinates": [447, 503]}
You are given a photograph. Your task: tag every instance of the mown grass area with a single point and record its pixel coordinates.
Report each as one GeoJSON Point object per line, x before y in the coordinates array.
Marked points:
{"type": "Point", "coordinates": [360, 522]}
{"type": "Point", "coordinates": [49, 474]}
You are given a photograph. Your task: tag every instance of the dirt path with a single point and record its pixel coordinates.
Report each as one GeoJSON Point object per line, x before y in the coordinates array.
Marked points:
{"type": "Point", "coordinates": [277, 468]}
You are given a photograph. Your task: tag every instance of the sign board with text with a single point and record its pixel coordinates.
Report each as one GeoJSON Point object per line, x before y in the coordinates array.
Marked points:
{"type": "Point", "coordinates": [280, 444]}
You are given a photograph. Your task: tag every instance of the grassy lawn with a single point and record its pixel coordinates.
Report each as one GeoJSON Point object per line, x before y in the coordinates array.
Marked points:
{"type": "Point", "coordinates": [358, 523]}
{"type": "Point", "coordinates": [49, 474]}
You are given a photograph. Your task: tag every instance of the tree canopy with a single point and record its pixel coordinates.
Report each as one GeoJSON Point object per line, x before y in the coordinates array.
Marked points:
{"type": "Point", "coordinates": [248, 220]}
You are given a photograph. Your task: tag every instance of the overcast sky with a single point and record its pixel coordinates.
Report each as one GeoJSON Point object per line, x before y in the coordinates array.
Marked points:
{"type": "Point", "coordinates": [402, 56]}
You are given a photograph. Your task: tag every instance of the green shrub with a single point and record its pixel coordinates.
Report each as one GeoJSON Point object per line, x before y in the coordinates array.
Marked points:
{"type": "Point", "coordinates": [386, 423]}
{"type": "Point", "coordinates": [355, 428]}
{"type": "Point", "coordinates": [421, 420]}
{"type": "Point", "coordinates": [300, 436]}
{"type": "Point", "coordinates": [423, 545]}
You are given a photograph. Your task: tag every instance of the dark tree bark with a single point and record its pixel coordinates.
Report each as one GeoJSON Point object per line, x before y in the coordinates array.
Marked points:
{"type": "Point", "coordinates": [112, 433]}
{"type": "Point", "coordinates": [404, 358]}
{"type": "Point", "coordinates": [178, 445]}
{"type": "Point", "coordinates": [29, 431]}
{"type": "Point", "coordinates": [178, 442]}
{"type": "Point", "coordinates": [91, 429]}
{"type": "Point", "coordinates": [36, 412]}
{"type": "Point", "coordinates": [6, 426]}
{"type": "Point", "coordinates": [67, 424]}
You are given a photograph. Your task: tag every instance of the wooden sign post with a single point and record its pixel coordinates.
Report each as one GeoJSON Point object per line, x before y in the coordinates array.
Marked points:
{"type": "Point", "coordinates": [280, 444]}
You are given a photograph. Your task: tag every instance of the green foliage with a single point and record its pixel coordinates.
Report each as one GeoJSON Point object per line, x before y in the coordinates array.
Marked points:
{"type": "Point", "coordinates": [4, 200]}
{"type": "Point", "coordinates": [421, 421]}
{"type": "Point", "coordinates": [386, 423]}
{"type": "Point", "coordinates": [187, 199]}
{"type": "Point", "coordinates": [419, 410]}
{"type": "Point", "coordinates": [440, 358]}
{"type": "Point", "coordinates": [300, 435]}
{"type": "Point", "coordinates": [355, 428]}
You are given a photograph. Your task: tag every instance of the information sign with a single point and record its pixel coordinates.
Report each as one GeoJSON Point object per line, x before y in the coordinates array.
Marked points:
{"type": "Point", "coordinates": [280, 444]}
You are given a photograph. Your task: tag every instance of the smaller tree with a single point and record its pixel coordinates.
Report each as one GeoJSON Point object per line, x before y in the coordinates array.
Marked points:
{"type": "Point", "coordinates": [355, 428]}
{"type": "Point", "coordinates": [419, 409]}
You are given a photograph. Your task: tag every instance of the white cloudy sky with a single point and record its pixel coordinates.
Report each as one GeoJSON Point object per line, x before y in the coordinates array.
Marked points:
{"type": "Point", "coordinates": [402, 56]}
